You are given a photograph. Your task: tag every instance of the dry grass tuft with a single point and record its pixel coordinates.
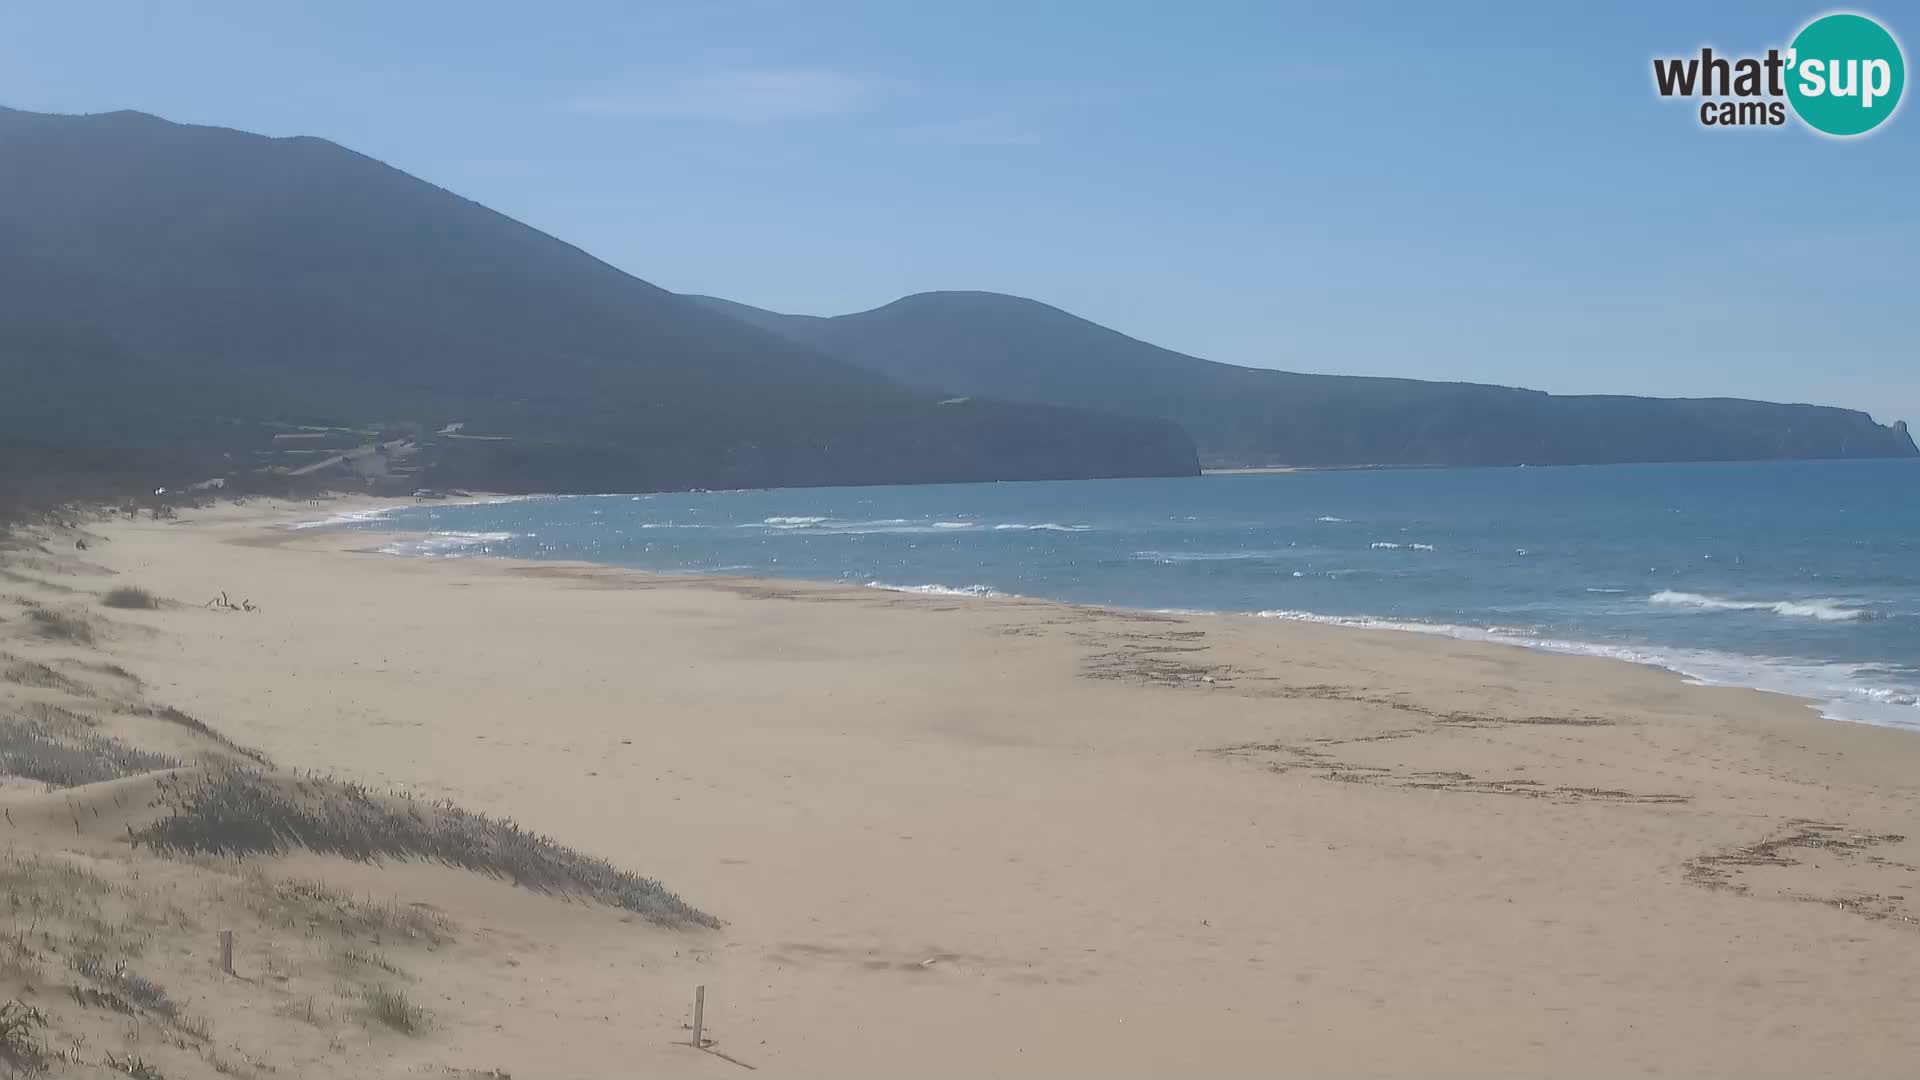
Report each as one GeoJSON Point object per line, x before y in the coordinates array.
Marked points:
{"type": "Point", "coordinates": [351, 959]}
{"type": "Point", "coordinates": [240, 812]}
{"type": "Point", "coordinates": [138, 1068]}
{"type": "Point", "coordinates": [114, 670]}
{"type": "Point", "coordinates": [131, 597]}
{"type": "Point", "coordinates": [174, 716]}
{"type": "Point", "coordinates": [19, 962]}
{"type": "Point", "coordinates": [133, 988]}
{"type": "Point", "coordinates": [391, 1007]}
{"type": "Point", "coordinates": [20, 1044]}
{"type": "Point", "coordinates": [31, 880]}
{"type": "Point", "coordinates": [35, 674]}
{"type": "Point", "coordinates": [354, 917]}
{"type": "Point", "coordinates": [59, 625]}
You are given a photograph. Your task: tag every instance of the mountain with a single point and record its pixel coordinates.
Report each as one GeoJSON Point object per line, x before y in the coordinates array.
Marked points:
{"type": "Point", "coordinates": [1006, 347]}
{"type": "Point", "coordinates": [172, 297]}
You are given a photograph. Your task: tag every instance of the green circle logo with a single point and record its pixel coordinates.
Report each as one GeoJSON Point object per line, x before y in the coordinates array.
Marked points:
{"type": "Point", "coordinates": [1845, 74]}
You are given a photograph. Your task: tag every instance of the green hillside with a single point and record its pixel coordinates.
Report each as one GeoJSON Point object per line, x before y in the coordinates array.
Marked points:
{"type": "Point", "coordinates": [171, 296]}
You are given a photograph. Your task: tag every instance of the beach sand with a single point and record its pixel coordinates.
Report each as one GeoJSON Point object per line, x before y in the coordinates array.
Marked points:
{"type": "Point", "coordinates": [988, 836]}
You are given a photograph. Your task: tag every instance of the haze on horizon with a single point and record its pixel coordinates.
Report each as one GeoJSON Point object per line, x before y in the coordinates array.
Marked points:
{"type": "Point", "coordinates": [1495, 196]}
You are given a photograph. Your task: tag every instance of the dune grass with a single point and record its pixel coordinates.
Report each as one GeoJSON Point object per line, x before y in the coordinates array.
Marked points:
{"type": "Point", "coordinates": [131, 987]}
{"type": "Point", "coordinates": [59, 625]}
{"type": "Point", "coordinates": [36, 674]}
{"type": "Point", "coordinates": [235, 811]}
{"type": "Point", "coordinates": [194, 724]}
{"type": "Point", "coordinates": [131, 597]}
{"type": "Point", "coordinates": [36, 751]}
{"type": "Point", "coordinates": [354, 917]}
{"type": "Point", "coordinates": [390, 1006]}
{"type": "Point", "coordinates": [20, 1040]}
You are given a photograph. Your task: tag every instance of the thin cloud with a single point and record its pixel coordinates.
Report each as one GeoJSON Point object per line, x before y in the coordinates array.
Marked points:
{"type": "Point", "coordinates": [742, 96]}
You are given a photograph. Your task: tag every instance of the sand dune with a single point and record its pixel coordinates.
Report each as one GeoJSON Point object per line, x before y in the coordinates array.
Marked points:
{"type": "Point", "coordinates": [943, 835]}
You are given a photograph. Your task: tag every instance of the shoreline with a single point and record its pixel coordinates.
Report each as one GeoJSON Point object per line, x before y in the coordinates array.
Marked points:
{"type": "Point", "coordinates": [1704, 667]}
{"type": "Point", "coordinates": [1126, 843]}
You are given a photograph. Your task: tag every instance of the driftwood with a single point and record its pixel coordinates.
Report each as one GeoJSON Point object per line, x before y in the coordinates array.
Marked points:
{"type": "Point", "coordinates": [221, 603]}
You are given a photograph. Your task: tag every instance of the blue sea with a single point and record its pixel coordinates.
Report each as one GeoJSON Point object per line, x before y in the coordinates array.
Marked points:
{"type": "Point", "coordinates": [1795, 577]}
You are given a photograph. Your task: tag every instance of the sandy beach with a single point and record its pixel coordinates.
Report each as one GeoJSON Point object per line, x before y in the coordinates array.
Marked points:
{"type": "Point", "coordinates": [985, 836]}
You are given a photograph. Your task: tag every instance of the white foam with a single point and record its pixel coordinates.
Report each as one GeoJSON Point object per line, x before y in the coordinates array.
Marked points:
{"type": "Point", "coordinates": [901, 525]}
{"type": "Point", "coordinates": [936, 590]}
{"type": "Point", "coordinates": [357, 517]}
{"type": "Point", "coordinates": [1822, 608]}
{"type": "Point", "coordinates": [1331, 520]}
{"type": "Point", "coordinates": [1207, 556]}
{"type": "Point", "coordinates": [349, 517]}
{"type": "Point", "coordinates": [449, 544]}
{"type": "Point", "coordinates": [1609, 592]}
{"type": "Point", "coordinates": [1388, 545]}
{"type": "Point", "coordinates": [835, 525]}
{"type": "Point", "coordinates": [1839, 691]}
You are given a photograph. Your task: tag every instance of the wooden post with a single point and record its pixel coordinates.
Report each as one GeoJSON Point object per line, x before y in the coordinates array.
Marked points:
{"type": "Point", "coordinates": [699, 1013]}
{"type": "Point", "coordinates": [226, 951]}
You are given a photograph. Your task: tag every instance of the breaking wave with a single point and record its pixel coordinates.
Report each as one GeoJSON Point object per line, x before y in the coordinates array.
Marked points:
{"type": "Point", "coordinates": [448, 544]}
{"type": "Point", "coordinates": [936, 590]}
{"type": "Point", "coordinates": [1823, 609]}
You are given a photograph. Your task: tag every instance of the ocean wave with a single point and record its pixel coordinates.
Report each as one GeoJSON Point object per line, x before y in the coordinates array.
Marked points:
{"type": "Point", "coordinates": [936, 590]}
{"type": "Point", "coordinates": [348, 517]}
{"type": "Point", "coordinates": [1388, 545]}
{"type": "Point", "coordinates": [1209, 556]}
{"type": "Point", "coordinates": [838, 527]}
{"type": "Point", "coordinates": [447, 543]}
{"type": "Point", "coordinates": [1841, 691]}
{"type": "Point", "coordinates": [1609, 592]}
{"type": "Point", "coordinates": [904, 525]}
{"type": "Point", "coordinates": [1821, 608]}
{"type": "Point", "coordinates": [381, 513]}
{"type": "Point", "coordinates": [1502, 634]}
{"type": "Point", "coordinates": [1331, 520]}
{"type": "Point", "coordinates": [1887, 695]}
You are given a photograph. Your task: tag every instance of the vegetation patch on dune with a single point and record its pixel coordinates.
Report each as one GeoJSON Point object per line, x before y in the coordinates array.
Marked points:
{"type": "Point", "coordinates": [36, 674]}
{"type": "Point", "coordinates": [64, 759]}
{"type": "Point", "coordinates": [192, 723]}
{"type": "Point", "coordinates": [130, 986]}
{"type": "Point", "coordinates": [237, 811]}
{"type": "Point", "coordinates": [391, 1007]}
{"type": "Point", "coordinates": [132, 597]}
{"type": "Point", "coordinates": [354, 917]}
{"type": "Point", "coordinates": [20, 1042]}
{"type": "Point", "coordinates": [59, 625]}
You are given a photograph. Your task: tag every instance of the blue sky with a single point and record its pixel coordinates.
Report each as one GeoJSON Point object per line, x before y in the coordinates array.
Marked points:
{"type": "Point", "coordinates": [1492, 194]}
